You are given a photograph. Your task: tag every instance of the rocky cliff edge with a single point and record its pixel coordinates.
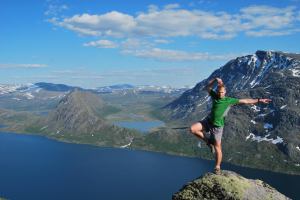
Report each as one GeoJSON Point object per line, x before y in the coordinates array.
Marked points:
{"type": "Point", "coordinates": [227, 186]}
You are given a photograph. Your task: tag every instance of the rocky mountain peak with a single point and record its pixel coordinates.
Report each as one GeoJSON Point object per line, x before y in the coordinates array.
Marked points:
{"type": "Point", "coordinates": [240, 74]}
{"type": "Point", "coordinates": [77, 109]}
{"type": "Point", "coordinates": [268, 131]}
{"type": "Point", "coordinates": [248, 71]}
{"type": "Point", "coordinates": [80, 116]}
{"type": "Point", "coordinates": [228, 185]}
{"type": "Point", "coordinates": [82, 99]}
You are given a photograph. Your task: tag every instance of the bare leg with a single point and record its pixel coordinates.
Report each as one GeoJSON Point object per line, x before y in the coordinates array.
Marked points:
{"type": "Point", "coordinates": [218, 148]}
{"type": "Point", "coordinates": [197, 130]}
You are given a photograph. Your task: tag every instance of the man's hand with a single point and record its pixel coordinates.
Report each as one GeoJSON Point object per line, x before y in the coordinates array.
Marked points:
{"type": "Point", "coordinates": [264, 100]}
{"type": "Point", "coordinates": [220, 82]}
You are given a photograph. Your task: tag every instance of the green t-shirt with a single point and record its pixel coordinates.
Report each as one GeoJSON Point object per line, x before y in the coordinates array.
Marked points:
{"type": "Point", "coordinates": [220, 108]}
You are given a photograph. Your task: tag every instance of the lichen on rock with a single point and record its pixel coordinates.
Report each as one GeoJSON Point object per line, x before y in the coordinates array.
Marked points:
{"type": "Point", "coordinates": [227, 186]}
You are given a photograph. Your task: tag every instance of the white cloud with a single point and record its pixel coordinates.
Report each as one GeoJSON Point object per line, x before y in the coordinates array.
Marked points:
{"type": "Point", "coordinates": [173, 22]}
{"type": "Point", "coordinates": [262, 33]}
{"type": "Point", "coordinates": [22, 66]}
{"type": "Point", "coordinates": [172, 55]}
{"type": "Point", "coordinates": [133, 44]}
{"type": "Point", "coordinates": [172, 6]}
{"type": "Point", "coordinates": [87, 77]}
{"type": "Point", "coordinates": [54, 10]}
{"type": "Point", "coordinates": [101, 44]}
{"type": "Point", "coordinates": [161, 41]}
{"type": "Point", "coordinates": [114, 24]}
{"type": "Point", "coordinates": [141, 34]}
{"type": "Point", "coordinates": [63, 71]}
{"type": "Point", "coordinates": [267, 17]}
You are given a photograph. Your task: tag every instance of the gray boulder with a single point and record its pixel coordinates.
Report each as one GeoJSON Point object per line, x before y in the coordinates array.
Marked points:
{"type": "Point", "coordinates": [227, 186]}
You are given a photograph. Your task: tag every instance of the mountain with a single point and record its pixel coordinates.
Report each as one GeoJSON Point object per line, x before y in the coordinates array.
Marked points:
{"type": "Point", "coordinates": [228, 185]}
{"type": "Point", "coordinates": [23, 88]}
{"type": "Point", "coordinates": [42, 97]}
{"type": "Point", "coordinates": [168, 140]}
{"type": "Point", "coordinates": [56, 87]}
{"type": "Point", "coordinates": [262, 136]}
{"type": "Point", "coordinates": [79, 117]}
{"type": "Point", "coordinates": [140, 89]}
{"type": "Point", "coordinates": [11, 121]}
{"type": "Point", "coordinates": [28, 97]}
{"type": "Point", "coordinates": [239, 75]}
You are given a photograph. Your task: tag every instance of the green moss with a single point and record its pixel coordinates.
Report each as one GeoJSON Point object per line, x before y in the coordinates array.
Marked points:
{"type": "Point", "coordinates": [233, 185]}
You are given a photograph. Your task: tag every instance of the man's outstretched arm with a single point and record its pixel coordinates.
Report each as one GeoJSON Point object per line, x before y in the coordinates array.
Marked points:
{"type": "Point", "coordinates": [254, 101]}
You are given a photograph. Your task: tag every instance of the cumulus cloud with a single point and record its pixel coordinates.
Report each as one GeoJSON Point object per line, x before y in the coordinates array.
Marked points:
{"type": "Point", "coordinates": [171, 21]}
{"type": "Point", "coordinates": [141, 34]}
{"type": "Point", "coordinates": [267, 17]}
{"type": "Point", "coordinates": [101, 44]}
{"type": "Point", "coordinates": [113, 24]}
{"type": "Point", "coordinates": [22, 66]}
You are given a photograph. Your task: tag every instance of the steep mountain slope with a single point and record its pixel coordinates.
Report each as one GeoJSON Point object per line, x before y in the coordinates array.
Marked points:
{"type": "Point", "coordinates": [240, 74]}
{"type": "Point", "coordinates": [264, 136]}
{"type": "Point", "coordinates": [79, 117]}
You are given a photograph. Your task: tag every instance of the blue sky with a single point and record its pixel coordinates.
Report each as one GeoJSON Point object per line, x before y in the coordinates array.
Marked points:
{"type": "Point", "coordinates": [92, 43]}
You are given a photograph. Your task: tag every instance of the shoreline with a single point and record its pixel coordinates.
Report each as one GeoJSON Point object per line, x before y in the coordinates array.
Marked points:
{"type": "Point", "coordinates": [140, 149]}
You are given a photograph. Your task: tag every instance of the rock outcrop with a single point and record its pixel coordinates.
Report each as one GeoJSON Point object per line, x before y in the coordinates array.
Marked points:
{"type": "Point", "coordinates": [227, 186]}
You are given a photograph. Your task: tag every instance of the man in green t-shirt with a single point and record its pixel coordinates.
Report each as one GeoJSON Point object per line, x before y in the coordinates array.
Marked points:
{"type": "Point", "coordinates": [214, 123]}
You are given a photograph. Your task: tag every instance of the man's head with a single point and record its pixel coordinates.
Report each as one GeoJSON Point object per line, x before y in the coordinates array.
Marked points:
{"type": "Point", "coordinates": [221, 91]}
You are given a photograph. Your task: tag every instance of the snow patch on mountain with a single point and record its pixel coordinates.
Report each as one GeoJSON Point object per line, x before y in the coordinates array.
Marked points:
{"type": "Point", "coordinates": [44, 127]}
{"type": "Point", "coordinates": [296, 72]}
{"type": "Point", "coordinates": [253, 137]}
{"type": "Point", "coordinates": [5, 89]}
{"type": "Point", "coordinates": [28, 95]}
{"type": "Point", "coordinates": [268, 126]}
{"type": "Point", "coordinates": [255, 108]}
{"type": "Point", "coordinates": [127, 145]}
{"type": "Point", "coordinates": [282, 107]}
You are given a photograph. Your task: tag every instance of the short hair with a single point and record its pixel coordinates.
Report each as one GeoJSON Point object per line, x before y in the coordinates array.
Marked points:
{"type": "Point", "coordinates": [221, 86]}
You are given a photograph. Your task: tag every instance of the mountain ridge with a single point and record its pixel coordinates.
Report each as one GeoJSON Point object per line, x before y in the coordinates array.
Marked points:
{"type": "Point", "coordinates": [79, 117]}
{"type": "Point", "coordinates": [261, 136]}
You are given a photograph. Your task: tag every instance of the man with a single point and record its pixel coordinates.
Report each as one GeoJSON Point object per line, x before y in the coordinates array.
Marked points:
{"type": "Point", "coordinates": [214, 123]}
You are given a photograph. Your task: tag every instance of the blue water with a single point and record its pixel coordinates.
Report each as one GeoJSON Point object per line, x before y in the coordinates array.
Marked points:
{"type": "Point", "coordinates": [34, 167]}
{"type": "Point", "coordinates": [143, 126]}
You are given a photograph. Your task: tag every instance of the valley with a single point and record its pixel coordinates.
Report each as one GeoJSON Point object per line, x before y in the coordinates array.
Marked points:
{"type": "Point", "coordinates": [259, 136]}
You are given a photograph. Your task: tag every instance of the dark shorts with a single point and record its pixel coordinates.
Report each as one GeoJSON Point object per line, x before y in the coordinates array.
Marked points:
{"type": "Point", "coordinates": [212, 133]}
